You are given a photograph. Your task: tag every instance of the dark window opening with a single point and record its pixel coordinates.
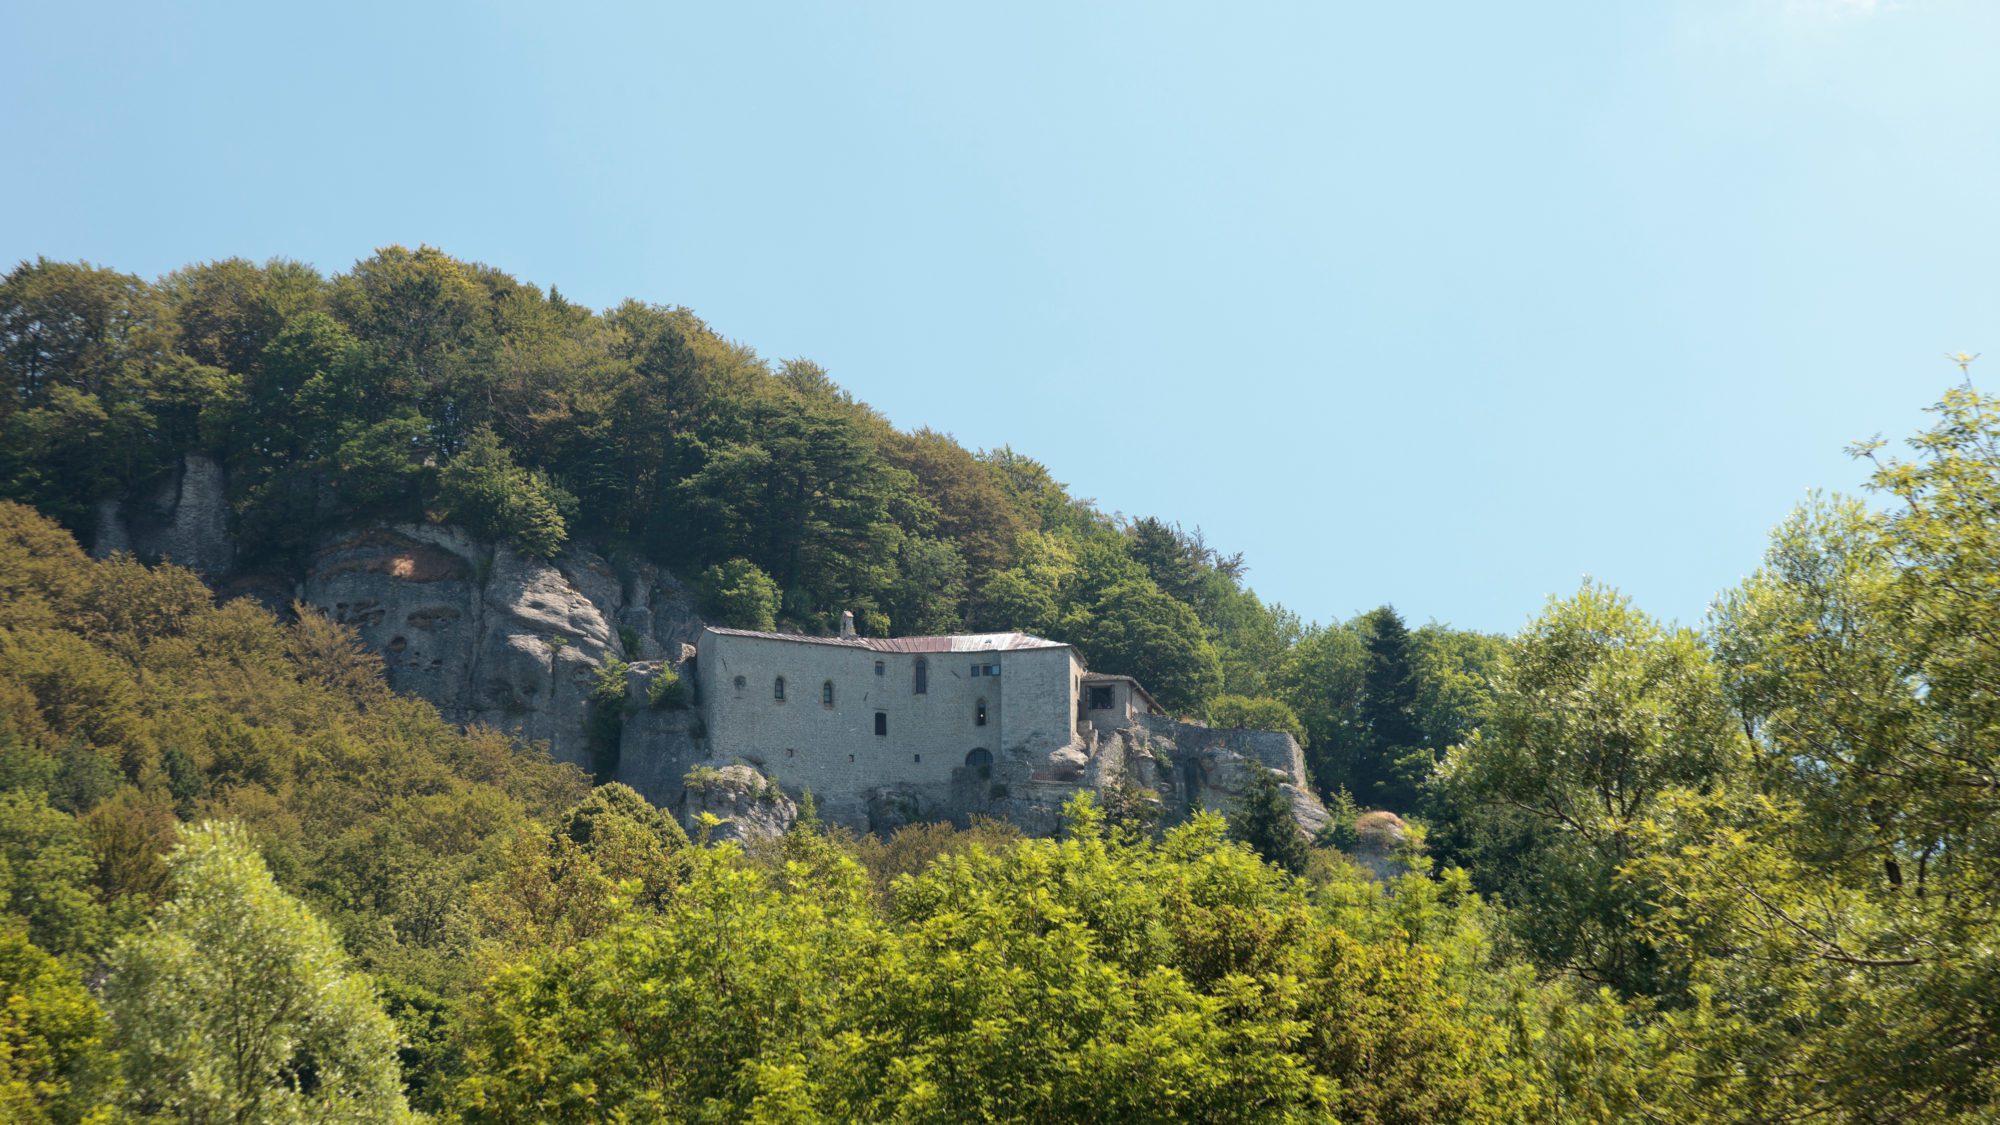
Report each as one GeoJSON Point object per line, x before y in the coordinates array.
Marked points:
{"type": "Point", "coordinates": [826, 694]}
{"type": "Point", "coordinates": [740, 681]}
{"type": "Point", "coordinates": [881, 722]}
{"type": "Point", "coordinates": [850, 757]}
{"type": "Point", "coordinates": [916, 757]}
{"type": "Point", "coordinates": [778, 689]}
{"type": "Point", "coordinates": [980, 761]}
{"type": "Point", "coordinates": [1102, 698]}
{"type": "Point", "coordinates": [923, 673]}
{"type": "Point", "coordinates": [985, 669]}
{"type": "Point", "coordinates": [879, 668]}
{"type": "Point", "coordinates": [979, 714]}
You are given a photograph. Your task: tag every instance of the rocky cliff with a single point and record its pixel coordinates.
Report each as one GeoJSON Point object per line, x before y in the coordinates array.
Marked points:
{"type": "Point", "coordinates": [493, 637]}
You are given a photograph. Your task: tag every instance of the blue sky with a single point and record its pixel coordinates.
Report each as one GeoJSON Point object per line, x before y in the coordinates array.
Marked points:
{"type": "Point", "coordinates": [1448, 305]}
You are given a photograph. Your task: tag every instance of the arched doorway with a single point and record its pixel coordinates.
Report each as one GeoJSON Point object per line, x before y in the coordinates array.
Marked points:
{"type": "Point", "coordinates": [980, 761]}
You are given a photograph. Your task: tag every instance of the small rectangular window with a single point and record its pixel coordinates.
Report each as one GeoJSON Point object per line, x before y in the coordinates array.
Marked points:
{"type": "Point", "coordinates": [881, 722]}
{"type": "Point", "coordinates": [826, 694]}
{"type": "Point", "coordinates": [879, 668]}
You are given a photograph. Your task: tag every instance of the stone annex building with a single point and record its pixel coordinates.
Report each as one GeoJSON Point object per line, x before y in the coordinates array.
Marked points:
{"type": "Point", "coordinates": [994, 723]}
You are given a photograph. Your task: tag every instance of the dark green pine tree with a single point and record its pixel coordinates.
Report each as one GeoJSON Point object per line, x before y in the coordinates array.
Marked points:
{"type": "Point", "coordinates": [1262, 818]}
{"type": "Point", "coordinates": [1383, 771]}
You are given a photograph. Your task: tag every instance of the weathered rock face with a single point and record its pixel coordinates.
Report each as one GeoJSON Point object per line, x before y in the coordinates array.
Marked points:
{"type": "Point", "coordinates": [1165, 770]}
{"type": "Point", "coordinates": [746, 805]}
{"type": "Point", "coordinates": [492, 637]}
{"type": "Point", "coordinates": [1383, 846]}
{"type": "Point", "coordinates": [185, 520]}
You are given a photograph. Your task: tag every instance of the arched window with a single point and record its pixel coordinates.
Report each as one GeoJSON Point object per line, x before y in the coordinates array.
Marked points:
{"type": "Point", "coordinates": [980, 761]}
{"type": "Point", "coordinates": [923, 673]}
{"type": "Point", "coordinates": [778, 689]}
{"type": "Point", "coordinates": [979, 714]}
{"type": "Point", "coordinates": [826, 694]}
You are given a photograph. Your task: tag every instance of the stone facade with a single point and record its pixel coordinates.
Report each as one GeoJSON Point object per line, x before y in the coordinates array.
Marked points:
{"type": "Point", "coordinates": [850, 718]}
{"type": "Point", "coordinates": [851, 724]}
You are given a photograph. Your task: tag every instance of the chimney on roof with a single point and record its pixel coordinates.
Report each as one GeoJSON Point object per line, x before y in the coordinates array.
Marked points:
{"type": "Point", "coordinates": [846, 622]}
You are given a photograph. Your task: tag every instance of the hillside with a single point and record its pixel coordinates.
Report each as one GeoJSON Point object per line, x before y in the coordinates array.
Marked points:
{"type": "Point", "coordinates": [254, 422]}
{"type": "Point", "coordinates": [267, 858]}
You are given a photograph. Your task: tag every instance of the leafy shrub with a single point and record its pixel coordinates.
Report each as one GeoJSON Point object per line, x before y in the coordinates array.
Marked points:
{"type": "Point", "coordinates": [1242, 712]}
{"type": "Point", "coordinates": [666, 690]}
{"type": "Point", "coordinates": [740, 595]}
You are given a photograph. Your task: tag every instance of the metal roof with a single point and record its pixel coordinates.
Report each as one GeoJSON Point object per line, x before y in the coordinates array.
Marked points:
{"type": "Point", "coordinates": [962, 642]}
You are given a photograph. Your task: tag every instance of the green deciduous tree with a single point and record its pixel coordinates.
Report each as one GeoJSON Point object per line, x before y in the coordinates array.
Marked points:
{"type": "Point", "coordinates": [739, 594]}
{"type": "Point", "coordinates": [1134, 629]}
{"type": "Point", "coordinates": [54, 1067]}
{"type": "Point", "coordinates": [1255, 714]}
{"type": "Point", "coordinates": [483, 489]}
{"type": "Point", "coordinates": [237, 1004]}
{"type": "Point", "coordinates": [1603, 720]}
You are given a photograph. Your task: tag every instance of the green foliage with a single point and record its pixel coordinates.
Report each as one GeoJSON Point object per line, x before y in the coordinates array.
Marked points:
{"type": "Point", "coordinates": [929, 588]}
{"type": "Point", "coordinates": [128, 699]}
{"type": "Point", "coordinates": [1255, 714]}
{"type": "Point", "coordinates": [665, 690]}
{"type": "Point", "coordinates": [1742, 876]}
{"type": "Point", "coordinates": [1603, 720]}
{"type": "Point", "coordinates": [483, 489]}
{"type": "Point", "coordinates": [1100, 977]}
{"type": "Point", "coordinates": [605, 728]}
{"type": "Point", "coordinates": [54, 1066]}
{"type": "Point", "coordinates": [1137, 630]}
{"type": "Point", "coordinates": [739, 594]}
{"type": "Point", "coordinates": [46, 871]}
{"type": "Point", "coordinates": [1386, 774]}
{"type": "Point", "coordinates": [237, 1005]}
{"type": "Point", "coordinates": [1262, 818]}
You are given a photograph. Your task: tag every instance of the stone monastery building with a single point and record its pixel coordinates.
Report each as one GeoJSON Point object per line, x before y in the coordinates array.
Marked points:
{"type": "Point", "coordinates": [846, 713]}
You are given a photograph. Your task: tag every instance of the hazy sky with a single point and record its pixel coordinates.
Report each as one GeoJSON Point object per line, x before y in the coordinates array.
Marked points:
{"type": "Point", "coordinates": [1441, 304]}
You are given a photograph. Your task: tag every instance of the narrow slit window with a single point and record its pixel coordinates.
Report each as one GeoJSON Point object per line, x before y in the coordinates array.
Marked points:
{"type": "Point", "coordinates": [923, 676]}
{"type": "Point", "coordinates": [881, 722]}
{"type": "Point", "coordinates": [826, 694]}
{"type": "Point", "coordinates": [979, 713]}
{"type": "Point", "coordinates": [778, 689]}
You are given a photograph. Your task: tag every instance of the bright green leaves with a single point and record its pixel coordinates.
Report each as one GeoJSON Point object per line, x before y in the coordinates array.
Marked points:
{"type": "Point", "coordinates": [237, 1005]}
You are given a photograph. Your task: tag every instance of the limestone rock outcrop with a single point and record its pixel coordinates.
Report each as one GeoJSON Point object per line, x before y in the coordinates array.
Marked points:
{"type": "Point", "coordinates": [744, 803]}
{"type": "Point", "coordinates": [493, 637]}
{"type": "Point", "coordinates": [185, 520]}
{"type": "Point", "coordinates": [1383, 844]}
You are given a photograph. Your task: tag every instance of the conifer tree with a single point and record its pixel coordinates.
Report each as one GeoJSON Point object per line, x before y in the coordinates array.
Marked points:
{"type": "Point", "coordinates": [1262, 819]}
{"type": "Point", "coordinates": [1388, 713]}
